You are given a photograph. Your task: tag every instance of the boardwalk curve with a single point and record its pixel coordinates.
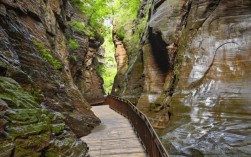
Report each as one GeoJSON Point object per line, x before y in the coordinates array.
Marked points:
{"type": "Point", "coordinates": [114, 137]}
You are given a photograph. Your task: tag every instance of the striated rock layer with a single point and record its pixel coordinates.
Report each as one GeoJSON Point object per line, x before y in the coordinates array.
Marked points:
{"type": "Point", "coordinates": [42, 92]}
{"type": "Point", "coordinates": [196, 59]}
{"type": "Point", "coordinates": [27, 129]}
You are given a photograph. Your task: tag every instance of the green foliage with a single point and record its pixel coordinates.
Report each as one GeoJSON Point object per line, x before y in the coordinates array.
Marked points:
{"type": "Point", "coordinates": [109, 78]}
{"type": "Point", "coordinates": [109, 69]}
{"type": "Point", "coordinates": [74, 58]}
{"type": "Point", "coordinates": [124, 14]}
{"type": "Point", "coordinates": [57, 128]}
{"type": "Point", "coordinates": [108, 72]}
{"type": "Point", "coordinates": [73, 44]}
{"type": "Point", "coordinates": [128, 26]}
{"type": "Point", "coordinates": [96, 12]}
{"type": "Point", "coordinates": [81, 27]}
{"type": "Point", "coordinates": [125, 10]}
{"type": "Point", "coordinates": [120, 32]}
{"type": "Point", "coordinates": [46, 55]}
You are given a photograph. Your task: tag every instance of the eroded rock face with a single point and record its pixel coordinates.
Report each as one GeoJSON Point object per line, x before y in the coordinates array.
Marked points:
{"type": "Point", "coordinates": [202, 76]}
{"type": "Point", "coordinates": [121, 58]}
{"type": "Point", "coordinates": [83, 61]}
{"type": "Point", "coordinates": [27, 129]}
{"type": "Point", "coordinates": [128, 82]}
{"type": "Point", "coordinates": [160, 50]}
{"type": "Point", "coordinates": [212, 98]}
{"type": "Point", "coordinates": [150, 78]}
{"type": "Point", "coordinates": [34, 52]}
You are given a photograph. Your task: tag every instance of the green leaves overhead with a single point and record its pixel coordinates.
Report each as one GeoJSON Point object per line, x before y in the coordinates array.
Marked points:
{"type": "Point", "coordinates": [81, 27]}
{"type": "Point", "coordinates": [96, 11]}
{"type": "Point", "coordinates": [125, 10]}
{"type": "Point", "coordinates": [124, 15]}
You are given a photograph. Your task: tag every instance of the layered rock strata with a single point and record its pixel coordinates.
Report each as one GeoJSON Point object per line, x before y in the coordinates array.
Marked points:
{"type": "Point", "coordinates": [43, 108]}
{"type": "Point", "coordinates": [196, 59]}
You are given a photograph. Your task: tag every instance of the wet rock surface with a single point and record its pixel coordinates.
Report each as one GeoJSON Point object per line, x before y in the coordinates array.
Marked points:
{"type": "Point", "coordinates": [202, 77]}
{"type": "Point", "coordinates": [27, 129]}
{"type": "Point", "coordinates": [42, 108]}
{"type": "Point", "coordinates": [211, 104]}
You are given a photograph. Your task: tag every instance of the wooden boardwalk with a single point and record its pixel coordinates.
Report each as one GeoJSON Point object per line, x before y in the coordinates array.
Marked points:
{"type": "Point", "coordinates": [114, 137]}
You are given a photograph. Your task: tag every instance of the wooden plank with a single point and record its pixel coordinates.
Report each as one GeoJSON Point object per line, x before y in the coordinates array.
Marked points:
{"type": "Point", "coordinates": [114, 137]}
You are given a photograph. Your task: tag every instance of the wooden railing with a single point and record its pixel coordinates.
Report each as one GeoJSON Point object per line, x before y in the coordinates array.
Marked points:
{"type": "Point", "coordinates": [96, 101]}
{"type": "Point", "coordinates": [141, 125]}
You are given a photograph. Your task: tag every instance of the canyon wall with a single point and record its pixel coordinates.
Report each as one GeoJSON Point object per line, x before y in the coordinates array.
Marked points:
{"type": "Point", "coordinates": [45, 80]}
{"type": "Point", "coordinates": [195, 57]}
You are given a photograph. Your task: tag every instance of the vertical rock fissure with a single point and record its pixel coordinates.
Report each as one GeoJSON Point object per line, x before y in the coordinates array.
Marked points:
{"type": "Point", "coordinates": [159, 51]}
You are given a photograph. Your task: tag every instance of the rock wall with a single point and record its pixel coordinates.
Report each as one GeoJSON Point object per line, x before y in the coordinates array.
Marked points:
{"type": "Point", "coordinates": [160, 49]}
{"type": "Point", "coordinates": [42, 92]}
{"type": "Point", "coordinates": [28, 129]}
{"type": "Point", "coordinates": [83, 61]}
{"type": "Point", "coordinates": [149, 77]}
{"type": "Point", "coordinates": [213, 86]}
{"type": "Point", "coordinates": [196, 58]}
{"type": "Point", "coordinates": [127, 82]}
{"type": "Point", "coordinates": [121, 58]}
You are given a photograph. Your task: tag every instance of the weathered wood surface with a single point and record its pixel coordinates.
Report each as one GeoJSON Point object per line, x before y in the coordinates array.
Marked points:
{"type": "Point", "coordinates": [114, 137]}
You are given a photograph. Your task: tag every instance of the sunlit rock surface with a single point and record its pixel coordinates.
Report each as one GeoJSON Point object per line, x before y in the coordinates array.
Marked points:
{"type": "Point", "coordinates": [121, 58]}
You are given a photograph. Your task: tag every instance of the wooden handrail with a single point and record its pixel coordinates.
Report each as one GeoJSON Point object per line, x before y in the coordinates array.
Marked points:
{"type": "Point", "coordinates": [141, 125]}
{"type": "Point", "coordinates": [96, 101]}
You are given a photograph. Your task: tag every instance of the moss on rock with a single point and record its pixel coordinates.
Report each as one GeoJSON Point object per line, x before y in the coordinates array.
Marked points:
{"type": "Point", "coordinates": [6, 148]}
{"type": "Point", "coordinates": [28, 130]}
{"type": "Point", "coordinates": [46, 55]}
{"type": "Point", "coordinates": [14, 95]}
{"type": "Point", "coordinates": [58, 128]}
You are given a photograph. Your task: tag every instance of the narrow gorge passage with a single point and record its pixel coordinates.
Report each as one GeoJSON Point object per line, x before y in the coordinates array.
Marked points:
{"type": "Point", "coordinates": [184, 63]}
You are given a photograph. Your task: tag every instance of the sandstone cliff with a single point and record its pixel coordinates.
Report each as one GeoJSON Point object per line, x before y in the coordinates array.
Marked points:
{"type": "Point", "coordinates": [44, 82]}
{"type": "Point", "coordinates": [195, 66]}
